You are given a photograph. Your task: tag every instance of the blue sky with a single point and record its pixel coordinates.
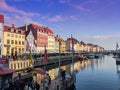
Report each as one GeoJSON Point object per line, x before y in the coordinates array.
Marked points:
{"type": "Point", "coordinates": [92, 21]}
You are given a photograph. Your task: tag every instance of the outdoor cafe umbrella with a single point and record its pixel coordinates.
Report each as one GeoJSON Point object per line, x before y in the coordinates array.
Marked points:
{"type": "Point", "coordinates": [40, 70]}
{"type": "Point", "coordinates": [4, 71]}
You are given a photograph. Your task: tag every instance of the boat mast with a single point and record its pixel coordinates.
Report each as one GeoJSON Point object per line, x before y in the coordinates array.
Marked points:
{"type": "Point", "coordinates": [116, 49]}
{"type": "Point", "coordinates": [73, 59]}
{"type": "Point", "coordinates": [59, 68]}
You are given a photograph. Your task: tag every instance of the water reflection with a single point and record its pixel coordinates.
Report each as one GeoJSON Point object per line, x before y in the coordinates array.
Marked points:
{"type": "Point", "coordinates": [96, 74]}
{"type": "Point", "coordinates": [118, 71]}
{"type": "Point", "coordinates": [78, 66]}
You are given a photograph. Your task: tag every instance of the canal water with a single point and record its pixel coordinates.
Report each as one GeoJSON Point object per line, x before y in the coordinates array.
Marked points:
{"type": "Point", "coordinates": [94, 74]}
{"type": "Point", "coordinates": [98, 74]}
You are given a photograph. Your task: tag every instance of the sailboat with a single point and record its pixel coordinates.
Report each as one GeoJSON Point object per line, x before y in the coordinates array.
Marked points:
{"type": "Point", "coordinates": [117, 55]}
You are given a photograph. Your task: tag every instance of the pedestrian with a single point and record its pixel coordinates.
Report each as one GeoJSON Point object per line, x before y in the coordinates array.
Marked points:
{"type": "Point", "coordinates": [6, 85]}
{"type": "Point", "coordinates": [49, 80]}
{"type": "Point", "coordinates": [11, 84]}
{"type": "Point", "coordinates": [46, 83]}
{"type": "Point", "coordinates": [37, 86]}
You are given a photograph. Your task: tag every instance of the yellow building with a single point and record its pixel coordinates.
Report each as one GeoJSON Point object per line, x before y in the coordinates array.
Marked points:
{"type": "Point", "coordinates": [14, 39]}
{"type": "Point", "coordinates": [63, 46]}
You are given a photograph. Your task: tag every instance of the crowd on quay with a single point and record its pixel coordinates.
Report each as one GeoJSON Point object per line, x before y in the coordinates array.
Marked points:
{"type": "Point", "coordinates": [27, 56]}
{"type": "Point", "coordinates": [19, 84]}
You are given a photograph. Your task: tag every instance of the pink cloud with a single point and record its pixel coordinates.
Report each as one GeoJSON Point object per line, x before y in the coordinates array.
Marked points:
{"type": "Point", "coordinates": [17, 19]}
{"type": "Point", "coordinates": [80, 7]}
{"type": "Point", "coordinates": [74, 17]}
{"type": "Point", "coordinates": [5, 7]}
{"type": "Point", "coordinates": [56, 18]}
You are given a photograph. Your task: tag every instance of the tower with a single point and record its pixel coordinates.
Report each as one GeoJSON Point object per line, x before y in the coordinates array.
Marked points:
{"type": "Point", "coordinates": [1, 34]}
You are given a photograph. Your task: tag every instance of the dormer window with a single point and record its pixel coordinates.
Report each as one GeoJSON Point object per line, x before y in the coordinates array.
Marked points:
{"type": "Point", "coordinates": [12, 30]}
{"type": "Point", "coordinates": [16, 31]}
{"type": "Point", "coordinates": [22, 32]}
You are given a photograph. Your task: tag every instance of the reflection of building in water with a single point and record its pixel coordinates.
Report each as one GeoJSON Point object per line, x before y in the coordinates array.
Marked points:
{"type": "Point", "coordinates": [64, 67]}
{"type": "Point", "coordinates": [118, 73]}
{"type": "Point", "coordinates": [53, 73]}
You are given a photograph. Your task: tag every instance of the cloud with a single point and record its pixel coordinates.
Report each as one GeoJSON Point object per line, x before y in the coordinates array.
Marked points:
{"type": "Point", "coordinates": [106, 41]}
{"type": "Point", "coordinates": [64, 1]}
{"type": "Point", "coordinates": [16, 16]}
{"type": "Point", "coordinates": [79, 7]}
{"type": "Point", "coordinates": [74, 17]}
{"type": "Point", "coordinates": [101, 37]}
{"type": "Point", "coordinates": [25, 0]}
{"type": "Point", "coordinates": [5, 7]}
{"type": "Point", "coordinates": [106, 37]}
{"type": "Point", "coordinates": [56, 18]}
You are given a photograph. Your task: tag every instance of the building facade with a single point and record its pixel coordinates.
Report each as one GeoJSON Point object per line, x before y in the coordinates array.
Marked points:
{"type": "Point", "coordinates": [51, 41]}
{"type": "Point", "coordinates": [1, 34]}
{"type": "Point", "coordinates": [14, 40]}
{"type": "Point", "coordinates": [41, 37]}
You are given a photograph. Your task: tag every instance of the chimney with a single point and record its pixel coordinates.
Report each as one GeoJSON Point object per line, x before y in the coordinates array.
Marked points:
{"type": "Point", "coordinates": [1, 18]}
{"type": "Point", "coordinates": [26, 27]}
{"type": "Point", "coordinates": [13, 25]}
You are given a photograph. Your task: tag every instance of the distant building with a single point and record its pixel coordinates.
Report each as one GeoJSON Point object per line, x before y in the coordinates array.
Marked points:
{"type": "Point", "coordinates": [14, 40]}
{"type": "Point", "coordinates": [57, 44]}
{"type": "Point", "coordinates": [62, 44]}
{"type": "Point", "coordinates": [75, 45]}
{"type": "Point", "coordinates": [1, 34]}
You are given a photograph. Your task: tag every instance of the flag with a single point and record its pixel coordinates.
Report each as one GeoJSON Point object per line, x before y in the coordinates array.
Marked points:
{"type": "Point", "coordinates": [46, 56]}
{"type": "Point", "coordinates": [31, 62]}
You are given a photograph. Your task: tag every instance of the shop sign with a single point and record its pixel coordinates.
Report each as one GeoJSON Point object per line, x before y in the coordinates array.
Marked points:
{"type": "Point", "coordinates": [3, 61]}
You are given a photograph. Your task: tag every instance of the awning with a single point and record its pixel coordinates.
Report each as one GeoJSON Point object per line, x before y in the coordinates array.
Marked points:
{"type": "Point", "coordinates": [5, 71]}
{"type": "Point", "coordinates": [39, 70]}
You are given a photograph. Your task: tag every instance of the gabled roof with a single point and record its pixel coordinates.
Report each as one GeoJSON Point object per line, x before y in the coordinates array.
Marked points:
{"type": "Point", "coordinates": [37, 27]}
{"type": "Point", "coordinates": [46, 29]}
{"type": "Point", "coordinates": [70, 40]}
{"type": "Point", "coordinates": [7, 28]}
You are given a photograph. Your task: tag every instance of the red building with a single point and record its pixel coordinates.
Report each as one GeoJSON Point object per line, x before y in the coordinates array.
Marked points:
{"type": "Point", "coordinates": [40, 37]}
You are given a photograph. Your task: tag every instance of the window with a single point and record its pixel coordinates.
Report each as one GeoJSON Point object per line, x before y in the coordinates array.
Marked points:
{"type": "Point", "coordinates": [21, 65]}
{"type": "Point", "coordinates": [8, 41]}
{"type": "Point", "coordinates": [22, 42]}
{"type": "Point", "coordinates": [8, 35]}
{"type": "Point", "coordinates": [14, 66]}
{"type": "Point", "coordinates": [16, 36]}
{"type": "Point", "coordinates": [12, 35]}
{"type": "Point", "coordinates": [15, 42]}
{"type": "Point", "coordinates": [0, 40]}
{"type": "Point", "coordinates": [12, 42]}
{"type": "Point", "coordinates": [19, 36]}
{"type": "Point", "coordinates": [18, 65]}
{"type": "Point", "coordinates": [19, 42]}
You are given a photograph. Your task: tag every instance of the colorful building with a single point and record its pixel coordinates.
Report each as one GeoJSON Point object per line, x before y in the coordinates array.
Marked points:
{"type": "Point", "coordinates": [51, 40]}
{"type": "Point", "coordinates": [62, 44]}
{"type": "Point", "coordinates": [37, 37]}
{"type": "Point", "coordinates": [14, 39]}
{"type": "Point", "coordinates": [1, 34]}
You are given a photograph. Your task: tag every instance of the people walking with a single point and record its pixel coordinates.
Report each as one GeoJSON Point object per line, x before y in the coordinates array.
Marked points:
{"type": "Point", "coordinates": [11, 84]}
